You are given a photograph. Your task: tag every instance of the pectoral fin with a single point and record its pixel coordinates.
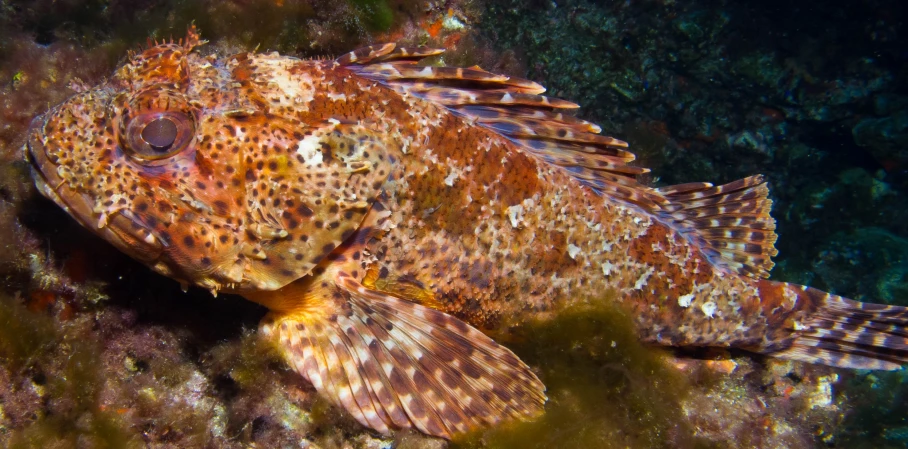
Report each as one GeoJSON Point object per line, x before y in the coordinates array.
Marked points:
{"type": "Point", "coordinates": [393, 363]}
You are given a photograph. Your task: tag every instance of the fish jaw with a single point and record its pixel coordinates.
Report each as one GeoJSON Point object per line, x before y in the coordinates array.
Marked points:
{"type": "Point", "coordinates": [122, 229]}
{"type": "Point", "coordinates": [77, 162]}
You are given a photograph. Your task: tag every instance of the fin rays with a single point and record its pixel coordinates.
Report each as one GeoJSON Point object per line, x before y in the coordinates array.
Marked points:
{"type": "Point", "coordinates": [513, 108]}
{"type": "Point", "coordinates": [852, 334]}
{"type": "Point", "coordinates": [730, 224]}
{"type": "Point", "coordinates": [392, 363]}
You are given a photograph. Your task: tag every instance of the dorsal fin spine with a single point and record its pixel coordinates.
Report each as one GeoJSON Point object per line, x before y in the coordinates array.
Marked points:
{"type": "Point", "coordinates": [730, 224]}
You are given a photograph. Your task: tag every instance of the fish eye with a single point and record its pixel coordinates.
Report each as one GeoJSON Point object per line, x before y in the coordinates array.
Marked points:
{"type": "Point", "coordinates": [158, 135]}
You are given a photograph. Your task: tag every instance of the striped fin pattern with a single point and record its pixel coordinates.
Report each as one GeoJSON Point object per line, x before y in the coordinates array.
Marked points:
{"type": "Point", "coordinates": [386, 52]}
{"type": "Point", "coordinates": [394, 364]}
{"type": "Point", "coordinates": [513, 108]}
{"type": "Point", "coordinates": [852, 334]}
{"type": "Point", "coordinates": [730, 223]}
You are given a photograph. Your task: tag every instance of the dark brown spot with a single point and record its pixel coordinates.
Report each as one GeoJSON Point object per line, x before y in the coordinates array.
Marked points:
{"type": "Point", "coordinates": [220, 207]}
{"type": "Point", "coordinates": [471, 370]}
{"type": "Point", "coordinates": [421, 382]}
{"type": "Point", "coordinates": [304, 211]}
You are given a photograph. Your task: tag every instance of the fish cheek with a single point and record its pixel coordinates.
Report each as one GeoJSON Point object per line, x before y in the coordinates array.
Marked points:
{"type": "Point", "coordinates": [336, 172]}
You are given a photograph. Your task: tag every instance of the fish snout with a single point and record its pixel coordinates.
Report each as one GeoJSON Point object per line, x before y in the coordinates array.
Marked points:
{"type": "Point", "coordinates": [43, 167]}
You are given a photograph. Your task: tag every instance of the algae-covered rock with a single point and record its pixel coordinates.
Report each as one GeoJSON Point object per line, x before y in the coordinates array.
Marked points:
{"type": "Point", "coordinates": [869, 261]}
{"type": "Point", "coordinates": [607, 390]}
{"type": "Point", "coordinates": [886, 139]}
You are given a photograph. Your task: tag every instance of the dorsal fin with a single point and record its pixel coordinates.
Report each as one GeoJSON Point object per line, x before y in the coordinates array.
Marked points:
{"type": "Point", "coordinates": [512, 107]}
{"type": "Point", "coordinates": [730, 224]}
{"type": "Point", "coordinates": [386, 52]}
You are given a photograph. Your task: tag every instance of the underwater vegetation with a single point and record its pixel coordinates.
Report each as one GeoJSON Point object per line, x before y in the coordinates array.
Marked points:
{"type": "Point", "coordinates": [97, 352]}
{"type": "Point", "coordinates": [606, 390]}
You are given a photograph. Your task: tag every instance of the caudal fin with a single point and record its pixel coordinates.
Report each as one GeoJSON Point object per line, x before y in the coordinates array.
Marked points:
{"type": "Point", "coordinates": [392, 363]}
{"type": "Point", "coordinates": [851, 334]}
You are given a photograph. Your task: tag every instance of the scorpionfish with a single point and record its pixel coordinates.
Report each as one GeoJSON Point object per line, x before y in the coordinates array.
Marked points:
{"type": "Point", "coordinates": [385, 210]}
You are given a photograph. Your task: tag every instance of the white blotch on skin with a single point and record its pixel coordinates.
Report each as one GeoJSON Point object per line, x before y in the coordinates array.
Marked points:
{"type": "Point", "coordinates": [449, 180]}
{"type": "Point", "coordinates": [641, 282]}
{"type": "Point", "coordinates": [573, 250]}
{"type": "Point", "coordinates": [709, 309]}
{"type": "Point", "coordinates": [308, 149]}
{"type": "Point", "coordinates": [515, 214]}
{"type": "Point", "coordinates": [685, 300]}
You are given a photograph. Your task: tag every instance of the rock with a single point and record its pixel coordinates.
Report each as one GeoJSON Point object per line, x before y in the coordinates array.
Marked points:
{"type": "Point", "coordinates": [886, 139]}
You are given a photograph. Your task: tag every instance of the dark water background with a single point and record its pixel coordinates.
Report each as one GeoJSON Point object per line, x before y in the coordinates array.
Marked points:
{"type": "Point", "coordinates": [813, 95]}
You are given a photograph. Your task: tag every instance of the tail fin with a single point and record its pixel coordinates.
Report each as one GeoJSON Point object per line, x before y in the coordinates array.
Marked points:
{"type": "Point", "coordinates": [851, 334]}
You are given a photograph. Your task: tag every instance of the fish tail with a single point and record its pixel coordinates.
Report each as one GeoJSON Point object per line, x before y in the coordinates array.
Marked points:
{"type": "Point", "coordinates": [845, 333]}
{"type": "Point", "coordinates": [396, 364]}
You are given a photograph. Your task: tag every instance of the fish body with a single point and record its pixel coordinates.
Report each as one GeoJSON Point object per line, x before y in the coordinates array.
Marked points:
{"type": "Point", "coordinates": [386, 212]}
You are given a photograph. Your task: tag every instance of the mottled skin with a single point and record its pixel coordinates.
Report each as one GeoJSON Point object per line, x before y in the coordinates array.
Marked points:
{"type": "Point", "coordinates": [305, 173]}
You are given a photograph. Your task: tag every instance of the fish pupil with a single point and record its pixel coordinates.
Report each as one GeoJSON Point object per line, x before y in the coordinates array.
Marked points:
{"type": "Point", "coordinates": [160, 134]}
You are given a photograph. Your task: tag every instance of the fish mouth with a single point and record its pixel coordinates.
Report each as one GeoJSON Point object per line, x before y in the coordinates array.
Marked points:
{"type": "Point", "coordinates": [122, 229]}
{"type": "Point", "coordinates": [44, 171]}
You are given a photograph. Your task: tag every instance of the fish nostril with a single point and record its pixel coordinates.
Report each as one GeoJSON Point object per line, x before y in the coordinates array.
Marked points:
{"type": "Point", "coordinates": [160, 134]}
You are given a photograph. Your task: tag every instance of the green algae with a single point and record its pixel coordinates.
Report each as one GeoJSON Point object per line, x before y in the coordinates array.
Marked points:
{"type": "Point", "coordinates": [66, 369]}
{"type": "Point", "coordinates": [98, 430]}
{"type": "Point", "coordinates": [23, 334]}
{"type": "Point", "coordinates": [605, 388]}
{"type": "Point", "coordinates": [254, 359]}
{"type": "Point", "coordinates": [377, 15]}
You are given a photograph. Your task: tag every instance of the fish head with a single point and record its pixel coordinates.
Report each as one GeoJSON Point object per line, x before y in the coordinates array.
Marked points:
{"type": "Point", "coordinates": [178, 162]}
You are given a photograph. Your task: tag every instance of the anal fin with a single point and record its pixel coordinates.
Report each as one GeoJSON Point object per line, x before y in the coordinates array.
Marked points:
{"type": "Point", "coordinates": [392, 363]}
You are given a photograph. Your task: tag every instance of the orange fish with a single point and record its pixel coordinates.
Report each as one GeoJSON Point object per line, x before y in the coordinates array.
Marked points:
{"type": "Point", "coordinates": [384, 211]}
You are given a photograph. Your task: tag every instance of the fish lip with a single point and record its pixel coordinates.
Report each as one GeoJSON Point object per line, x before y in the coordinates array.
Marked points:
{"type": "Point", "coordinates": [38, 161]}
